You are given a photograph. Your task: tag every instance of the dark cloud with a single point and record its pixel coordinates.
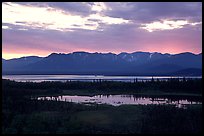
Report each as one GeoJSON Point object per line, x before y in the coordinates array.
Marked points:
{"type": "Point", "coordinates": [151, 11]}
{"type": "Point", "coordinates": [138, 11]}
{"type": "Point", "coordinates": [74, 7]}
{"type": "Point", "coordinates": [78, 8]}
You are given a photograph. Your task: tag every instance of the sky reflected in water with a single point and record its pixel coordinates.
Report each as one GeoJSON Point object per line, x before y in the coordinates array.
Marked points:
{"type": "Point", "coordinates": [117, 100]}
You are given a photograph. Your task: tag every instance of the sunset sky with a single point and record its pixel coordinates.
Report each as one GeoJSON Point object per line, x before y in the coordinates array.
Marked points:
{"type": "Point", "coordinates": [32, 28]}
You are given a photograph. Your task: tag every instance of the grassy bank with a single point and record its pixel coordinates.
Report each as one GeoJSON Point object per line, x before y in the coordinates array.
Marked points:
{"type": "Point", "coordinates": [62, 117]}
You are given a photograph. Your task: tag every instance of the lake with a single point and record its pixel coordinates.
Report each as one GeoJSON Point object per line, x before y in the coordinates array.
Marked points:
{"type": "Point", "coordinates": [88, 78]}
{"type": "Point", "coordinates": [117, 100]}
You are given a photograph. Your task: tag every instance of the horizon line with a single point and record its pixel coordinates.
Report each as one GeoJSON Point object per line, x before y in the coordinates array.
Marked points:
{"type": "Point", "coordinates": [99, 53]}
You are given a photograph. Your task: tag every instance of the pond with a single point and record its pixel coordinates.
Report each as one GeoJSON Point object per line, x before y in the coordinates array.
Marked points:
{"type": "Point", "coordinates": [117, 100]}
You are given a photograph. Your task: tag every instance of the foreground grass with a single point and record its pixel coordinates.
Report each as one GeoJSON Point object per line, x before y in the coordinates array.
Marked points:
{"type": "Point", "coordinates": [61, 117]}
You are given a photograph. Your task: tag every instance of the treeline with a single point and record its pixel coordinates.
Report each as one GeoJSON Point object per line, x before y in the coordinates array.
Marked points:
{"type": "Point", "coordinates": [170, 85]}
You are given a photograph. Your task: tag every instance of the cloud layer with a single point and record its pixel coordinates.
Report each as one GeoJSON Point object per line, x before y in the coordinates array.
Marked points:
{"type": "Point", "coordinates": [54, 19]}
{"type": "Point", "coordinates": [31, 28]}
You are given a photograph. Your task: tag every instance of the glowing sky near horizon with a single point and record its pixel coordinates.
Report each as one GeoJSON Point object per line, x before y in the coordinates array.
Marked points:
{"type": "Point", "coordinates": [32, 28]}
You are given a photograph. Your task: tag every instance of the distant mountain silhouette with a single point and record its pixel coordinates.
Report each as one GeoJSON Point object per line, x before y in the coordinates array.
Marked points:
{"type": "Point", "coordinates": [136, 63]}
{"type": "Point", "coordinates": [18, 63]}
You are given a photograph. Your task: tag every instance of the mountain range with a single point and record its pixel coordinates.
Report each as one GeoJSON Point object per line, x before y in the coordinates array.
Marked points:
{"type": "Point", "coordinates": [136, 63]}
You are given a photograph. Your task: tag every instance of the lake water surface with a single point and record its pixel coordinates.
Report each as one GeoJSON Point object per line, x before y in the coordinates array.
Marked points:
{"type": "Point", "coordinates": [117, 100]}
{"type": "Point", "coordinates": [88, 78]}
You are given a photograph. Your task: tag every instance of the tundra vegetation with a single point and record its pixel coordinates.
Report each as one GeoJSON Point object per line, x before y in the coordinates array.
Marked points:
{"type": "Point", "coordinates": [21, 114]}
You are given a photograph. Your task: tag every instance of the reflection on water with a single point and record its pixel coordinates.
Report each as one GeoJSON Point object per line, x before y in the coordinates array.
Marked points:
{"type": "Point", "coordinates": [117, 100]}
{"type": "Point", "coordinates": [89, 78]}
